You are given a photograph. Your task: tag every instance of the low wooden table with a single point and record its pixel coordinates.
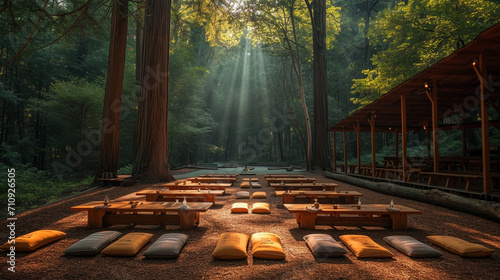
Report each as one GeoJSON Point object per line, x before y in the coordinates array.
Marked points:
{"type": "Point", "coordinates": [212, 179]}
{"type": "Point", "coordinates": [194, 186]}
{"type": "Point", "coordinates": [305, 186]}
{"type": "Point", "coordinates": [290, 180]}
{"type": "Point", "coordinates": [347, 196]}
{"type": "Point", "coordinates": [349, 215]}
{"type": "Point", "coordinates": [145, 213]}
{"type": "Point", "coordinates": [219, 175]}
{"type": "Point", "coordinates": [172, 195]}
{"type": "Point", "coordinates": [284, 176]}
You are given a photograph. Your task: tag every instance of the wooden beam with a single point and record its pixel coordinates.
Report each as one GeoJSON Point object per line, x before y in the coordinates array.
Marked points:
{"type": "Point", "coordinates": [334, 151]}
{"type": "Point", "coordinates": [432, 95]}
{"type": "Point", "coordinates": [372, 124]}
{"type": "Point", "coordinates": [485, 135]}
{"type": "Point", "coordinates": [345, 153]}
{"type": "Point", "coordinates": [358, 145]}
{"type": "Point", "coordinates": [464, 135]}
{"type": "Point", "coordinates": [403, 136]}
{"type": "Point", "coordinates": [428, 143]}
{"type": "Point", "coordinates": [396, 142]}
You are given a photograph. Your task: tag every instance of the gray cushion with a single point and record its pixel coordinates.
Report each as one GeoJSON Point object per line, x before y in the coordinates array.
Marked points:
{"type": "Point", "coordinates": [323, 245]}
{"type": "Point", "coordinates": [168, 245]}
{"type": "Point", "coordinates": [92, 244]}
{"type": "Point", "coordinates": [412, 247]}
{"type": "Point", "coordinates": [243, 194]}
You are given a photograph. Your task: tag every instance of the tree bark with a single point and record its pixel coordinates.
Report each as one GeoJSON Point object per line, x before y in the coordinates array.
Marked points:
{"type": "Point", "coordinates": [110, 129]}
{"type": "Point", "coordinates": [151, 161]}
{"type": "Point", "coordinates": [321, 145]}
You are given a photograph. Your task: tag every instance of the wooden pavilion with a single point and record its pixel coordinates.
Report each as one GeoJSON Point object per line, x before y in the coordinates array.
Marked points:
{"type": "Point", "coordinates": [466, 81]}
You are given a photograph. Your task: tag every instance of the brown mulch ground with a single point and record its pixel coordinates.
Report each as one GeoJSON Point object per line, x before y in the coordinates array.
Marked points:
{"type": "Point", "coordinates": [195, 261]}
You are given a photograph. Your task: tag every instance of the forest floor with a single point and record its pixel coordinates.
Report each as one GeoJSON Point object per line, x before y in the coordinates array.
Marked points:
{"type": "Point", "coordinates": [195, 260]}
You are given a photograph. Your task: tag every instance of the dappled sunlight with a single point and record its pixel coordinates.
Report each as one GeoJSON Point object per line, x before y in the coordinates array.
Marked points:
{"type": "Point", "coordinates": [477, 235]}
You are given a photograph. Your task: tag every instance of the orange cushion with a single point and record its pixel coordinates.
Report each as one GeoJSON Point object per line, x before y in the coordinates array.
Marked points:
{"type": "Point", "coordinates": [129, 245]}
{"type": "Point", "coordinates": [239, 207]}
{"type": "Point", "coordinates": [245, 185]}
{"type": "Point", "coordinates": [267, 246]}
{"type": "Point", "coordinates": [231, 246]}
{"type": "Point", "coordinates": [259, 195]}
{"type": "Point", "coordinates": [250, 179]}
{"type": "Point", "coordinates": [261, 208]}
{"type": "Point", "coordinates": [460, 247]}
{"type": "Point", "coordinates": [364, 247]}
{"type": "Point", "coordinates": [34, 240]}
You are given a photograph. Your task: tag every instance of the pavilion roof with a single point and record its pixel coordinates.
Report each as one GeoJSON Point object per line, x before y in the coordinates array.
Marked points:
{"type": "Point", "coordinates": [457, 86]}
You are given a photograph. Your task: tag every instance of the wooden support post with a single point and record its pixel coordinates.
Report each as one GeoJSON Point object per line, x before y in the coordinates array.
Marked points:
{"type": "Point", "coordinates": [403, 136]}
{"type": "Point", "coordinates": [485, 124]}
{"type": "Point", "coordinates": [396, 143]}
{"type": "Point", "coordinates": [428, 143]}
{"type": "Point", "coordinates": [345, 153]}
{"type": "Point", "coordinates": [358, 144]}
{"type": "Point", "coordinates": [334, 151]}
{"type": "Point", "coordinates": [372, 132]}
{"type": "Point", "coordinates": [432, 95]}
{"type": "Point", "coordinates": [464, 136]}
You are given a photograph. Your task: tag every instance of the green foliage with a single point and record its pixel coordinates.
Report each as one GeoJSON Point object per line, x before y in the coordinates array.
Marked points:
{"type": "Point", "coordinates": [416, 35]}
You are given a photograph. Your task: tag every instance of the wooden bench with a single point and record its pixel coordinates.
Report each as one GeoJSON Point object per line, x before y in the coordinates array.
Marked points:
{"type": "Point", "coordinates": [172, 195]}
{"type": "Point", "coordinates": [219, 175]}
{"type": "Point", "coordinates": [144, 213]}
{"type": "Point", "coordinates": [304, 186]}
{"type": "Point", "coordinates": [451, 178]}
{"type": "Point", "coordinates": [350, 215]}
{"type": "Point", "coordinates": [344, 196]}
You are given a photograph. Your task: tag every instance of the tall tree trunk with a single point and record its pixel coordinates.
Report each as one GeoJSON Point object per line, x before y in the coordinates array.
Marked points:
{"type": "Point", "coordinates": [139, 17]}
{"type": "Point", "coordinates": [321, 143]}
{"type": "Point", "coordinates": [151, 161]}
{"type": "Point", "coordinates": [110, 130]}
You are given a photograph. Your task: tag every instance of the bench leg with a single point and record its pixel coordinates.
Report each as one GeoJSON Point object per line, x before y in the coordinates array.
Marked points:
{"type": "Point", "coordinates": [188, 219]}
{"type": "Point", "coordinates": [94, 219]}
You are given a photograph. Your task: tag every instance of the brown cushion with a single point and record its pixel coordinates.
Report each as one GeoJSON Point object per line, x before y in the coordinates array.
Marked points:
{"type": "Point", "coordinates": [460, 247]}
{"type": "Point", "coordinates": [129, 245]}
{"type": "Point", "coordinates": [231, 246]}
{"type": "Point", "coordinates": [34, 240]}
{"type": "Point", "coordinates": [239, 207]}
{"type": "Point", "coordinates": [267, 246]}
{"type": "Point", "coordinates": [260, 208]}
{"type": "Point", "coordinates": [364, 247]}
{"type": "Point", "coordinates": [259, 195]}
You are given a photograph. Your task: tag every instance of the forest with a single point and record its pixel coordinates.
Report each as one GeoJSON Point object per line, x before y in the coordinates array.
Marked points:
{"type": "Point", "coordinates": [249, 81]}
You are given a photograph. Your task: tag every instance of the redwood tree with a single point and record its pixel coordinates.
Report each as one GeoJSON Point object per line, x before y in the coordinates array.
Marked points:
{"type": "Point", "coordinates": [110, 129]}
{"type": "Point", "coordinates": [321, 146]}
{"type": "Point", "coordinates": [151, 160]}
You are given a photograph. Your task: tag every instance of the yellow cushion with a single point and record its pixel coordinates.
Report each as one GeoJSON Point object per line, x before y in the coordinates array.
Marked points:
{"type": "Point", "coordinates": [250, 179]}
{"type": "Point", "coordinates": [460, 247]}
{"type": "Point", "coordinates": [261, 208]}
{"type": "Point", "coordinates": [267, 245]}
{"type": "Point", "coordinates": [364, 247]}
{"type": "Point", "coordinates": [259, 195]}
{"type": "Point", "coordinates": [34, 240]}
{"type": "Point", "coordinates": [129, 245]}
{"type": "Point", "coordinates": [245, 185]}
{"type": "Point", "coordinates": [231, 246]}
{"type": "Point", "coordinates": [239, 207]}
